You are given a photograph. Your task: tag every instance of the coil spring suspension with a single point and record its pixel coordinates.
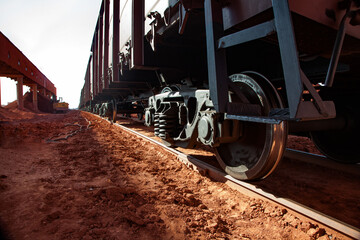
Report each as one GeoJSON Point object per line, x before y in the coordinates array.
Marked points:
{"type": "Point", "coordinates": [166, 122]}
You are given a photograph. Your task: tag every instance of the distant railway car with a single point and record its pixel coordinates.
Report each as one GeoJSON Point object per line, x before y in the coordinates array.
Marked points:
{"type": "Point", "coordinates": [235, 75]}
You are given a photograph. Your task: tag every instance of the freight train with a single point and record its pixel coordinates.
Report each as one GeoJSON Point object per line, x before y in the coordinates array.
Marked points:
{"type": "Point", "coordinates": [235, 75]}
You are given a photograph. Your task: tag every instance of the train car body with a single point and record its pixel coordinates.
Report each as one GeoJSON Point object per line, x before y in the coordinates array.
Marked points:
{"type": "Point", "coordinates": [235, 75]}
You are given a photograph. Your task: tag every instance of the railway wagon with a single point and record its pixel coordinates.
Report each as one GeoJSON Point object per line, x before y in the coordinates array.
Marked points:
{"type": "Point", "coordinates": [235, 75]}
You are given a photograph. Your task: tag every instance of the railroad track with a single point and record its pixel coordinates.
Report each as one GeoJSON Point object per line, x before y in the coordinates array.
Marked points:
{"type": "Point", "coordinates": [255, 191]}
{"type": "Point", "coordinates": [321, 160]}
{"type": "Point", "coordinates": [302, 156]}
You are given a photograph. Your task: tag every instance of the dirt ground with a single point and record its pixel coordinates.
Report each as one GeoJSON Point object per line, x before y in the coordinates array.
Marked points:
{"type": "Point", "coordinates": [330, 191]}
{"type": "Point", "coordinates": [103, 183]}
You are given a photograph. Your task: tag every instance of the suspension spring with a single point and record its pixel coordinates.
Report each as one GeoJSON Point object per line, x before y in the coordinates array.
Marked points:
{"type": "Point", "coordinates": [166, 121]}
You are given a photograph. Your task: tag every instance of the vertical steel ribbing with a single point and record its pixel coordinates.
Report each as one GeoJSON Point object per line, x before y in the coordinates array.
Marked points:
{"type": "Point", "coordinates": [217, 72]}
{"type": "Point", "coordinates": [289, 54]}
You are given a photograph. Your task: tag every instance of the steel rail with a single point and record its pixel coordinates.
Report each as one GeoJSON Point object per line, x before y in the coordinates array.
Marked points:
{"type": "Point", "coordinates": [251, 189]}
{"type": "Point", "coordinates": [307, 157]}
{"type": "Point", "coordinates": [321, 161]}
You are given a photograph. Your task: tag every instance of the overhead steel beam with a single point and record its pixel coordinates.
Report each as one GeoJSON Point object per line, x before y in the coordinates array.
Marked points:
{"type": "Point", "coordinates": [14, 63]}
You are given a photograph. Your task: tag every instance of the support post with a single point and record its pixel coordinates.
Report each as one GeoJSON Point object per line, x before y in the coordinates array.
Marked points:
{"type": "Point", "coordinates": [20, 95]}
{"type": "Point", "coordinates": [289, 54]}
{"type": "Point", "coordinates": [106, 44]}
{"type": "Point", "coordinates": [137, 34]}
{"type": "Point", "coordinates": [96, 64]}
{"type": "Point", "coordinates": [100, 54]}
{"type": "Point", "coordinates": [35, 97]}
{"type": "Point", "coordinates": [115, 41]}
{"type": "Point", "coordinates": [217, 72]}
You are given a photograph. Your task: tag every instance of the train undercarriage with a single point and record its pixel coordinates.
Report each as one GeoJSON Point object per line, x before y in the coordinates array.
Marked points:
{"type": "Point", "coordinates": [184, 116]}
{"type": "Point", "coordinates": [241, 89]}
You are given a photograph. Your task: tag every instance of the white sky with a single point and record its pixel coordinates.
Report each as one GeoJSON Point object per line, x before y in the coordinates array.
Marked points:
{"type": "Point", "coordinates": [55, 36]}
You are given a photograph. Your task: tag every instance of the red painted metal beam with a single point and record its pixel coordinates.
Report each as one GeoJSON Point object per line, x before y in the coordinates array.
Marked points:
{"type": "Point", "coordinates": [13, 63]}
{"type": "Point", "coordinates": [241, 10]}
{"type": "Point", "coordinates": [317, 13]}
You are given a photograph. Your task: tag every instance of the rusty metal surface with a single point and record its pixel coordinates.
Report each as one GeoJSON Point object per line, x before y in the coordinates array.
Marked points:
{"type": "Point", "coordinates": [13, 63]}
{"type": "Point", "coordinates": [241, 10]}
{"type": "Point", "coordinates": [117, 43]}
{"type": "Point", "coordinates": [317, 13]}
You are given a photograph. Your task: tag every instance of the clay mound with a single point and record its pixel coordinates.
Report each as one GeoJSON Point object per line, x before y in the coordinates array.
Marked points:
{"type": "Point", "coordinates": [11, 105]}
{"type": "Point", "coordinates": [44, 104]}
{"type": "Point", "coordinates": [10, 114]}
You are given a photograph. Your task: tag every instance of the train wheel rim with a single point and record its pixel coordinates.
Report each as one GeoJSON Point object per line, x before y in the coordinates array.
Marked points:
{"type": "Point", "coordinates": [339, 145]}
{"type": "Point", "coordinates": [259, 150]}
{"type": "Point", "coordinates": [342, 151]}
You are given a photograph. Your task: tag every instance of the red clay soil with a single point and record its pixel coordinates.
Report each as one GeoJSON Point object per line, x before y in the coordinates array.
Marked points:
{"type": "Point", "coordinates": [327, 190]}
{"type": "Point", "coordinates": [12, 113]}
{"type": "Point", "coordinates": [45, 104]}
{"type": "Point", "coordinates": [103, 183]}
{"type": "Point", "coordinates": [302, 144]}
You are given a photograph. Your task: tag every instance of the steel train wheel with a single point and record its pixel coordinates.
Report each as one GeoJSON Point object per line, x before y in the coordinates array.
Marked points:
{"type": "Point", "coordinates": [260, 147]}
{"type": "Point", "coordinates": [140, 116]}
{"type": "Point", "coordinates": [339, 145]}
